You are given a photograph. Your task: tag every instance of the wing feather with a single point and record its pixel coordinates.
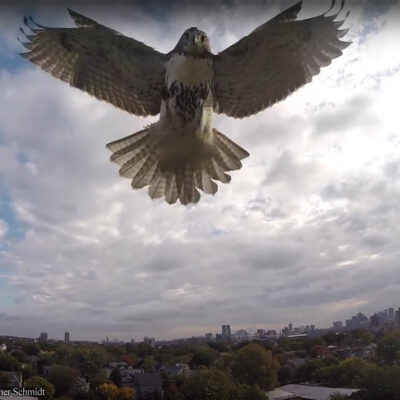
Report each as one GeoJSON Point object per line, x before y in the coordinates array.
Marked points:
{"type": "Point", "coordinates": [100, 61]}
{"type": "Point", "coordinates": [273, 61]}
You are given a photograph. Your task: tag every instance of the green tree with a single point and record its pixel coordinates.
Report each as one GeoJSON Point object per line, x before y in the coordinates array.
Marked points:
{"type": "Point", "coordinates": [254, 365]}
{"type": "Point", "coordinates": [284, 375]}
{"type": "Point", "coordinates": [305, 372]}
{"type": "Point", "coordinates": [9, 363]}
{"type": "Point", "coordinates": [388, 347]}
{"type": "Point", "coordinates": [5, 382]}
{"type": "Point", "coordinates": [63, 378]}
{"type": "Point", "coordinates": [38, 382]}
{"type": "Point", "coordinates": [362, 335]}
{"type": "Point", "coordinates": [202, 357]}
{"type": "Point", "coordinates": [149, 364]}
{"type": "Point", "coordinates": [380, 383]}
{"type": "Point", "coordinates": [32, 349]}
{"type": "Point", "coordinates": [115, 376]}
{"type": "Point", "coordinates": [252, 393]}
{"type": "Point", "coordinates": [210, 385]}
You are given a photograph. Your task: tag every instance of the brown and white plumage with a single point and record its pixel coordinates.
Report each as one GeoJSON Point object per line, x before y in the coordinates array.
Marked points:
{"type": "Point", "coordinates": [182, 152]}
{"type": "Point", "coordinates": [274, 60]}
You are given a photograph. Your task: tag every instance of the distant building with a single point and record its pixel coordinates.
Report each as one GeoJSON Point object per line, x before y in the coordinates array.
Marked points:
{"type": "Point", "coordinates": [397, 317]}
{"type": "Point", "coordinates": [260, 333]}
{"type": "Point", "coordinates": [43, 337]}
{"type": "Point", "coordinates": [66, 337]}
{"type": "Point", "coordinates": [3, 347]}
{"type": "Point", "coordinates": [358, 321]}
{"type": "Point", "coordinates": [391, 314]}
{"type": "Point", "coordinates": [290, 328]}
{"type": "Point", "coordinates": [271, 333]}
{"type": "Point", "coordinates": [374, 321]}
{"type": "Point", "coordinates": [209, 336]}
{"type": "Point", "coordinates": [150, 340]}
{"type": "Point", "coordinates": [241, 335]}
{"type": "Point", "coordinates": [226, 331]}
{"type": "Point", "coordinates": [338, 325]}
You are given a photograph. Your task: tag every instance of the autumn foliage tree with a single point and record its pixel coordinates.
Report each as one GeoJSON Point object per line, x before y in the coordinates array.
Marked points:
{"type": "Point", "coordinates": [254, 365]}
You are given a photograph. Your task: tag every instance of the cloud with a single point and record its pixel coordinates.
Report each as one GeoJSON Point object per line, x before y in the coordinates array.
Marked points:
{"type": "Point", "coordinates": [294, 236]}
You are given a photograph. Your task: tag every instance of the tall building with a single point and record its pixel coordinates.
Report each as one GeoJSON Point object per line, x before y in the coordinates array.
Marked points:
{"type": "Point", "coordinates": [397, 317]}
{"type": "Point", "coordinates": [338, 325]}
{"type": "Point", "coordinates": [391, 313]}
{"type": "Point", "coordinates": [226, 331]}
{"type": "Point", "coordinates": [43, 337]}
{"type": "Point", "coordinates": [66, 337]}
{"type": "Point", "coordinates": [290, 328]}
{"type": "Point", "coordinates": [209, 336]}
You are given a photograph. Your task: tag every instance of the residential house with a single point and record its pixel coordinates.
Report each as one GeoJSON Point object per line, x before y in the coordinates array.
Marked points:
{"type": "Point", "coordinates": [147, 384]}
{"type": "Point", "coordinates": [15, 378]}
{"type": "Point", "coordinates": [307, 392]}
{"type": "Point", "coordinates": [176, 370]}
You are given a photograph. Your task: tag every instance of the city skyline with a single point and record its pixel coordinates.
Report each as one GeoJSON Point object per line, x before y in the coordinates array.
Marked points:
{"type": "Point", "coordinates": [226, 330]}
{"type": "Point", "coordinates": [306, 231]}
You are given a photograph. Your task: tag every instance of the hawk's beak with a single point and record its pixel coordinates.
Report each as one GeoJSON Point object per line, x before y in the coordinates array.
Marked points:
{"type": "Point", "coordinates": [195, 39]}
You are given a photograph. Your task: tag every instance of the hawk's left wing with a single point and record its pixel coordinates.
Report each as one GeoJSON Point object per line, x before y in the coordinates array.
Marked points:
{"type": "Point", "coordinates": [274, 60]}
{"type": "Point", "coordinates": [102, 62]}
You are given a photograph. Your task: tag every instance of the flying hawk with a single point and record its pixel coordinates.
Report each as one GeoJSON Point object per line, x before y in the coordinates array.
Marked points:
{"type": "Point", "coordinates": [182, 152]}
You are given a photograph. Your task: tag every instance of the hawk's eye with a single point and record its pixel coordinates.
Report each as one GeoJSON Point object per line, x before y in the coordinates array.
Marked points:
{"type": "Point", "coordinates": [203, 38]}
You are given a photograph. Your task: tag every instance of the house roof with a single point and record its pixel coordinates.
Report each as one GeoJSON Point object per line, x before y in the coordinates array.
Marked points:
{"type": "Point", "coordinates": [148, 379]}
{"type": "Point", "coordinates": [307, 392]}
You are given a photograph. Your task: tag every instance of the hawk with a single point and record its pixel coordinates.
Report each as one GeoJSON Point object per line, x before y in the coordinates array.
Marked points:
{"type": "Point", "coordinates": [182, 152]}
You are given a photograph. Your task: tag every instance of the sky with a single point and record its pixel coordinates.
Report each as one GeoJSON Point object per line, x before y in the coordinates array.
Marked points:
{"type": "Point", "coordinates": [308, 231]}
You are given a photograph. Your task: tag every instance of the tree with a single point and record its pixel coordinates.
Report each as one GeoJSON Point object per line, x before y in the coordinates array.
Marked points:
{"type": "Point", "coordinates": [388, 347]}
{"type": "Point", "coordinates": [5, 382]}
{"type": "Point", "coordinates": [98, 379]}
{"type": "Point", "coordinates": [63, 378]}
{"type": "Point", "coordinates": [115, 376]}
{"type": "Point", "coordinates": [305, 372]}
{"type": "Point", "coordinates": [32, 349]}
{"type": "Point", "coordinates": [108, 391]}
{"type": "Point", "coordinates": [284, 375]}
{"type": "Point", "coordinates": [149, 364]}
{"type": "Point", "coordinates": [210, 385]}
{"type": "Point", "coordinates": [37, 382]}
{"type": "Point", "coordinates": [126, 393]}
{"type": "Point", "coordinates": [254, 365]}
{"type": "Point", "coordinates": [9, 363]}
{"type": "Point", "coordinates": [202, 357]}
{"type": "Point", "coordinates": [252, 393]}
{"type": "Point", "coordinates": [362, 335]}
{"type": "Point", "coordinates": [380, 383]}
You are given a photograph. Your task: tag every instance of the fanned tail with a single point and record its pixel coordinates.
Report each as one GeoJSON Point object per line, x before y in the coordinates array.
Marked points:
{"type": "Point", "coordinates": [140, 157]}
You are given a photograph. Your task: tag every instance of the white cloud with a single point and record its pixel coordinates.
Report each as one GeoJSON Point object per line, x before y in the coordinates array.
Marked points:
{"type": "Point", "coordinates": [99, 258]}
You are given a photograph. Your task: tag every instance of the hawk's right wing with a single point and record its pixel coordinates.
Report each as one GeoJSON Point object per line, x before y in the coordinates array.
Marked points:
{"type": "Point", "coordinates": [274, 60]}
{"type": "Point", "coordinates": [102, 62]}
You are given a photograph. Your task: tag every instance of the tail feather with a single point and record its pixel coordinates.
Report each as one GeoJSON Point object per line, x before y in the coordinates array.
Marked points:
{"type": "Point", "coordinates": [131, 167]}
{"type": "Point", "coordinates": [146, 174]}
{"type": "Point", "coordinates": [171, 192]}
{"type": "Point", "coordinates": [237, 151]}
{"type": "Point", "coordinates": [126, 141]}
{"type": "Point", "coordinates": [140, 158]}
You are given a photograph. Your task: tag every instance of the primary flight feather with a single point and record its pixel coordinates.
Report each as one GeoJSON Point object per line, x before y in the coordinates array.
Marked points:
{"type": "Point", "coordinates": [182, 152]}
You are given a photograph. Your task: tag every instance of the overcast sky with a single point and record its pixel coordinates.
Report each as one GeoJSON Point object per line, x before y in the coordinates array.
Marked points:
{"type": "Point", "coordinates": [307, 232]}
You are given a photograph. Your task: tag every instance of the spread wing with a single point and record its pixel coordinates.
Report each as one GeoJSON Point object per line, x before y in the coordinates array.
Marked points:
{"type": "Point", "coordinates": [274, 60]}
{"type": "Point", "coordinates": [100, 61]}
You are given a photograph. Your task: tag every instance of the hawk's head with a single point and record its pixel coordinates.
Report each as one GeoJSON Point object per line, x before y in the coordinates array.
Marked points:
{"type": "Point", "coordinates": [193, 41]}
